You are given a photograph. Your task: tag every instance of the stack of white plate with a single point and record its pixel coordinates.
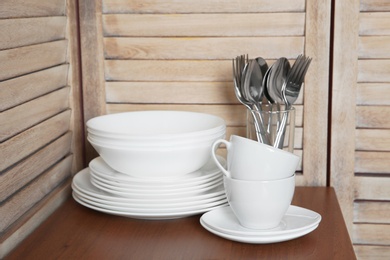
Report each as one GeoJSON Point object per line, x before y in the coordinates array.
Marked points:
{"type": "Point", "coordinates": [101, 188]}
{"type": "Point", "coordinates": [152, 164]}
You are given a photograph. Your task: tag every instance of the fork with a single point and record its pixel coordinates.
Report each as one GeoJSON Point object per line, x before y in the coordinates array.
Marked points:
{"type": "Point", "coordinates": [290, 92]}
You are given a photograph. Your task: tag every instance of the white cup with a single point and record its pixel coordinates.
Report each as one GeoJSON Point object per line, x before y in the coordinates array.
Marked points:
{"type": "Point", "coordinates": [251, 160]}
{"type": "Point", "coordinates": [259, 204]}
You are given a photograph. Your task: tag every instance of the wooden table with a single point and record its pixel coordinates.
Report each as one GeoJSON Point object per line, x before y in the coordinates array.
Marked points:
{"type": "Point", "coordinates": [76, 232]}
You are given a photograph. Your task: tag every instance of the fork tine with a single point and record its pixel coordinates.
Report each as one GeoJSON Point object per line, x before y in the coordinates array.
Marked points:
{"type": "Point", "coordinates": [295, 67]}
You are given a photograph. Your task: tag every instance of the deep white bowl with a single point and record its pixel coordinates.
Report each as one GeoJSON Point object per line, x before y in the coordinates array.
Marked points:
{"type": "Point", "coordinates": [155, 162]}
{"type": "Point", "coordinates": [155, 125]}
{"type": "Point", "coordinates": [106, 141]}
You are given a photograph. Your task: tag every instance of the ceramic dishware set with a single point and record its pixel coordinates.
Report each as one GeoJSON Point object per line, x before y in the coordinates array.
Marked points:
{"type": "Point", "coordinates": [259, 181]}
{"type": "Point", "coordinates": [164, 164]}
{"type": "Point", "coordinates": [152, 165]}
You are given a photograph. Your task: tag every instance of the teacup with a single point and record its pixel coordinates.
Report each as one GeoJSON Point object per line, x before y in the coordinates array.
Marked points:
{"type": "Point", "coordinates": [259, 204]}
{"type": "Point", "coordinates": [250, 160]}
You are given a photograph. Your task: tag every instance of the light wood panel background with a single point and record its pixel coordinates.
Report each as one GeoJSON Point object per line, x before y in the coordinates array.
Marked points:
{"type": "Point", "coordinates": [40, 131]}
{"type": "Point", "coordinates": [360, 162]}
{"type": "Point", "coordinates": [176, 55]}
{"type": "Point", "coordinates": [162, 55]}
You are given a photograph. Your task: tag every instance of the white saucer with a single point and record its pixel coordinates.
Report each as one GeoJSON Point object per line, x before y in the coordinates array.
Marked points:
{"type": "Point", "coordinates": [99, 167]}
{"type": "Point", "coordinates": [296, 223]}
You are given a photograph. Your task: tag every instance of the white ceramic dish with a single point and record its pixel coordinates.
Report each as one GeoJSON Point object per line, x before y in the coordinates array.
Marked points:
{"type": "Point", "coordinates": [153, 189]}
{"type": "Point", "coordinates": [81, 182]}
{"type": "Point", "coordinates": [122, 142]}
{"type": "Point", "coordinates": [259, 204]}
{"type": "Point", "coordinates": [130, 209]}
{"type": "Point", "coordinates": [146, 215]}
{"type": "Point", "coordinates": [155, 125]}
{"type": "Point", "coordinates": [148, 204]}
{"type": "Point", "coordinates": [152, 163]}
{"type": "Point", "coordinates": [99, 167]}
{"type": "Point", "coordinates": [251, 160]}
{"type": "Point", "coordinates": [296, 223]}
{"type": "Point", "coordinates": [145, 195]}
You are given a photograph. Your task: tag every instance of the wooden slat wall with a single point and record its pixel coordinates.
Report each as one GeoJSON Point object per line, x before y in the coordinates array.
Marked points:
{"type": "Point", "coordinates": [39, 102]}
{"type": "Point", "coordinates": [366, 204]}
{"type": "Point", "coordinates": [177, 55]}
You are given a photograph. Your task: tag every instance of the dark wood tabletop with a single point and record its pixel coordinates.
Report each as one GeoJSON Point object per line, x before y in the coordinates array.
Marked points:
{"type": "Point", "coordinates": [76, 232]}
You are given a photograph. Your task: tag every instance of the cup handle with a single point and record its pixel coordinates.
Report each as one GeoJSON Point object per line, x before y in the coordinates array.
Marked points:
{"type": "Point", "coordinates": [214, 148]}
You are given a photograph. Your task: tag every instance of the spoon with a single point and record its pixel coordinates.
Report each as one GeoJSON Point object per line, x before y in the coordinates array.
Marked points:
{"type": "Point", "coordinates": [241, 98]}
{"type": "Point", "coordinates": [253, 92]}
{"type": "Point", "coordinates": [266, 82]}
{"type": "Point", "coordinates": [272, 81]}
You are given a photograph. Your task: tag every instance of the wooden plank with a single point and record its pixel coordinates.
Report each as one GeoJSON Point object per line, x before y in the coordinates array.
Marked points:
{"type": "Point", "coordinates": [344, 72]}
{"type": "Point", "coordinates": [372, 252]}
{"type": "Point", "coordinates": [372, 188]}
{"type": "Point", "coordinates": [371, 234]}
{"type": "Point", "coordinates": [21, 89]}
{"type": "Point", "coordinates": [201, 47]}
{"type": "Point", "coordinates": [373, 116]}
{"type": "Point", "coordinates": [74, 80]}
{"type": "Point", "coordinates": [185, 92]}
{"type": "Point", "coordinates": [29, 141]}
{"type": "Point", "coordinates": [31, 8]}
{"type": "Point", "coordinates": [234, 115]}
{"type": "Point", "coordinates": [374, 5]}
{"type": "Point", "coordinates": [36, 216]}
{"type": "Point", "coordinates": [146, 25]}
{"type": "Point", "coordinates": [201, 6]}
{"type": "Point", "coordinates": [377, 23]}
{"type": "Point", "coordinates": [372, 139]}
{"type": "Point", "coordinates": [23, 60]}
{"type": "Point", "coordinates": [372, 162]}
{"type": "Point", "coordinates": [21, 202]}
{"type": "Point", "coordinates": [374, 71]}
{"type": "Point", "coordinates": [92, 62]}
{"type": "Point", "coordinates": [317, 44]}
{"type": "Point", "coordinates": [15, 120]}
{"type": "Point", "coordinates": [168, 70]}
{"type": "Point", "coordinates": [372, 212]}
{"type": "Point", "coordinates": [29, 168]}
{"type": "Point", "coordinates": [159, 92]}
{"type": "Point", "coordinates": [28, 31]}
{"type": "Point", "coordinates": [373, 94]}
{"type": "Point", "coordinates": [374, 47]}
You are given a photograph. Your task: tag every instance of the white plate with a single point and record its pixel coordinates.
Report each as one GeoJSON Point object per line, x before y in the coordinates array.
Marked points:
{"type": "Point", "coordinates": [130, 209]}
{"type": "Point", "coordinates": [140, 195]}
{"type": "Point", "coordinates": [149, 204]}
{"type": "Point", "coordinates": [81, 182]}
{"type": "Point", "coordinates": [151, 216]}
{"type": "Point", "coordinates": [296, 223]}
{"type": "Point", "coordinates": [154, 190]}
{"type": "Point", "coordinates": [99, 167]}
{"type": "Point", "coordinates": [154, 187]}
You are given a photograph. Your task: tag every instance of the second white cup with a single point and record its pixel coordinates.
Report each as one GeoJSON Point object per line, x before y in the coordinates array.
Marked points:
{"type": "Point", "coordinates": [251, 160]}
{"type": "Point", "coordinates": [259, 204]}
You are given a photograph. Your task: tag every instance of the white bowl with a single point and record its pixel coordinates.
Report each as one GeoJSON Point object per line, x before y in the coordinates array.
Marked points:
{"type": "Point", "coordinates": [106, 141]}
{"type": "Point", "coordinates": [155, 125]}
{"type": "Point", "coordinates": [155, 162]}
